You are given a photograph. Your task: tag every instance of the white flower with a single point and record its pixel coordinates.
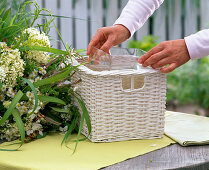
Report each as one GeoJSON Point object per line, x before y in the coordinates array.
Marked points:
{"type": "Point", "coordinates": [10, 92]}
{"type": "Point", "coordinates": [35, 73]}
{"type": "Point", "coordinates": [37, 109]}
{"type": "Point", "coordinates": [28, 132]}
{"type": "Point", "coordinates": [37, 79]}
{"type": "Point", "coordinates": [6, 104]}
{"type": "Point", "coordinates": [62, 65]}
{"type": "Point", "coordinates": [11, 66]}
{"type": "Point", "coordinates": [3, 88]}
{"type": "Point", "coordinates": [63, 130]}
{"type": "Point", "coordinates": [18, 106]}
{"type": "Point", "coordinates": [42, 71]}
{"type": "Point", "coordinates": [36, 126]}
{"type": "Point", "coordinates": [29, 95]}
{"type": "Point", "coordinates": [2, 74]}
{"type": "Point", "coordinates": [24, 109]}
{"type": "Point", "coordinates": [32, 76]}
{"type": "Point", "coordinates": [34, 37]}
{"type": "Point", "coordinates": [41, 133]}
{"type": "Point", "coordinates": [32, 116]}
{"type": "Point", "coordinates": [75, 88]}
{"type": "Point", "coordinates": [2, 44]}
{"type": "Point", "coordinates": [2, 97]}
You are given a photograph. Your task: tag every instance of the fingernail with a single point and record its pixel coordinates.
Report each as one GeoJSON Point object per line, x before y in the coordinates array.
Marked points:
{"type": "Point", "coordinates": [140, 61]}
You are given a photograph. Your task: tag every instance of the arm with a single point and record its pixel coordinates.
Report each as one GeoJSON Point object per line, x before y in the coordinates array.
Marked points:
{"type": "Point", "coordinates": [133, 16]}
{"type": "Point", "coordinates": [198, 44]}
{"type": "Point", "coordinates": [136, 12]}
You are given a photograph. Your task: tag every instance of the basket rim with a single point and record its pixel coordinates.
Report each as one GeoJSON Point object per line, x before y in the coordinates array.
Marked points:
{"type": "Point", "coordinates": [87, 70]}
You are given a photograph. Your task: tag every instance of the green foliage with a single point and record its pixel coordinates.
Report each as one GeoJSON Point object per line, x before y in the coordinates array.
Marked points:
{"type": "Point", "coordinates": [49, 94]}
{"type": "Point", "coordinates": [11, 26]}
{"type": "Point", "coordinates": [146, 44]}
{"type": "Point", "coordinates": [189, 83]}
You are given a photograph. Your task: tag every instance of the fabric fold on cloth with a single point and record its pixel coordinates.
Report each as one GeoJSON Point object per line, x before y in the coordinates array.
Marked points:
{"type": "Point", "coordinates": [187, 129]}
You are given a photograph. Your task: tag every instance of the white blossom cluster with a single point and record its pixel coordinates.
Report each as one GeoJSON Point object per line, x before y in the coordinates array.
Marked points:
{"type": "Point", "coordinates": [11, 65]}
{"type": "Point", "coordinates": [10, 131]}
{"type": "Point", "coordinates": [37, 75]}
{"type": "Point", "coordinates": [35, 38]}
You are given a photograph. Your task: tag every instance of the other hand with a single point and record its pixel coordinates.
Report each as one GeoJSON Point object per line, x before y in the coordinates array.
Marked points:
{"type": "Point", "coordinates": [173, 53]}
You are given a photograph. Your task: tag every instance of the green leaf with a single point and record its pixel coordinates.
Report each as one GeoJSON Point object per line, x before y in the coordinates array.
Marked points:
{"type": "Point", "coordinates": [60, 110]}
{"type": "Point", "coordinates": [7, 15]}
{"type": "Point", "coordinates": [52, 121]}
{"type": "Point", "coordinates": [79, 132]}
{"type": "Point", "coordinates": [39, 136]}
{"type": "Point", "coordinates": [34, 92]}
{"type": "Point", "coordinates": [86, 114]}
{"type": "Point", "coordinates": [45, 49]}
{"type": "Point", "coordinates": [2, 10]}
{"type": "Point", "coordinates": [0, 85]}
{"type": "Point", "coordinates": [70, 129]}
{"type": "Point", "coordinates": [56, 78]}
{"type": "Point", "coordinates": [51, 99]}
{"type": "Point", "coordinates": [9, 111]}
{"type": "Point", "coordinates": [20, 126]}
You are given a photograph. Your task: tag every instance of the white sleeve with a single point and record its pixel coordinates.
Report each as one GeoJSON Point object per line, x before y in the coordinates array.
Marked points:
{"type": "Point", "coordinates": [136, 12]}
{"type": "Point", "coordinates": [198, 44]}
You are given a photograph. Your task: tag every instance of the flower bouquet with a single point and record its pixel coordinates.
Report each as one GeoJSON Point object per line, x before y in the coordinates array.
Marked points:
{"type": "Point", "coordinates": [36, 90]}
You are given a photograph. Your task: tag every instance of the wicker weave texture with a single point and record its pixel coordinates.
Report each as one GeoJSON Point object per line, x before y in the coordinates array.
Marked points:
{"type": "Point", "coordinates": [123, 107]}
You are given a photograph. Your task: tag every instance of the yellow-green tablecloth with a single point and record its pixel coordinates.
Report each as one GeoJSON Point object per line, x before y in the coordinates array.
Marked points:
{"type": "Point", "coordinates": [47, 154]}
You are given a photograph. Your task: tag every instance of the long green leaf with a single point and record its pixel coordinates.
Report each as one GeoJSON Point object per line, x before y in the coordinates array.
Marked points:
{"type": "Point", "coordinates": [60, 110]}
{"type": "Point", "coordinates": [70, 129]}
{"type": "Point", "coordinates": [20, 125]}
{"type": "Point", "coordinates": [79, 132]}
{"type": "Point", "coordinates": [34, 92]}
{"type": "Point", "coordinates": [9, 111]}
{"type": "Point", "coordinates": [45, 49]}
{"type": "Point", "coordinates": [51, 99]}
{"type": "Point", "coordinates": [86, 114]}
{"type": "Point", "coordinates": [56, 78]}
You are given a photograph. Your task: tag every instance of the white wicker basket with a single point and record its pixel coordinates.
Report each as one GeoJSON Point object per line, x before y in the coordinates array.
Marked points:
{"type": "Point", "coordinates": [123, 104]}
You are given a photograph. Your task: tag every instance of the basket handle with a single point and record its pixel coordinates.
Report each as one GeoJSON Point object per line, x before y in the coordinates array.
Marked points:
{"type": "Point", "coordinates": [133, 83]}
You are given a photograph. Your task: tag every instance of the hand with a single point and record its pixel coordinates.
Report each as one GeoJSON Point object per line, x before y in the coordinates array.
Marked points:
{"type": "Point", "coordinates": [107, 37]}
{"type": "Point", "coordinates": [173, 52]}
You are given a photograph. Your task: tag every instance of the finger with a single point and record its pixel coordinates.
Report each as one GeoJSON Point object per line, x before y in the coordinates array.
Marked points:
{"type": "Point", "coordinates": [154, 50]}
{"type": "Point", "coordinates": [153, 59]}
{"type": "Point", "coordinates": [162, 62]}
{"type": "Point", "coordinates": [94, 50]}
{"type": "Point", "coordinates": [94, 41]}
{"type": "Point", "coordinates": [170, 68]}
{"type": "Point", "coordinates": [106, 46]}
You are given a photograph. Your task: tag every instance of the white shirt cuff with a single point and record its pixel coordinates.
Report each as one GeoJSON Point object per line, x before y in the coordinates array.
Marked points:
{"type": "Point", "coordinates": [198, 44]}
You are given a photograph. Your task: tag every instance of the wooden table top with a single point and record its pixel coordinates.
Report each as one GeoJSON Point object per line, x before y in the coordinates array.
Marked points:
{"type": "Point", "coordinates": [170, 157]}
